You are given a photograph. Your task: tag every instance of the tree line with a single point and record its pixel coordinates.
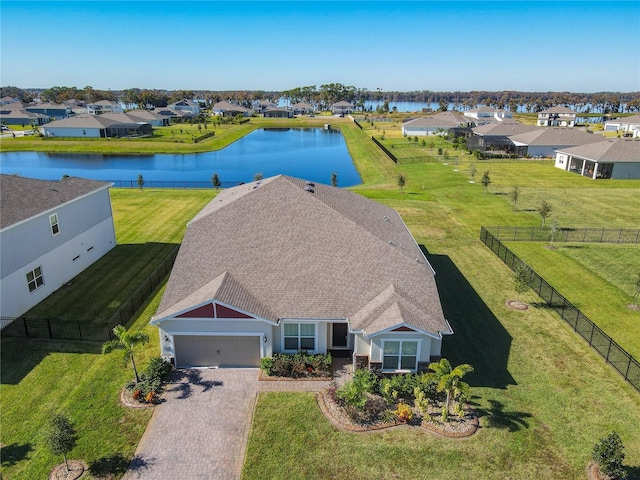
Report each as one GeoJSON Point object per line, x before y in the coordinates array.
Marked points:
{"type": "Point", "coordinates": [325, 95]}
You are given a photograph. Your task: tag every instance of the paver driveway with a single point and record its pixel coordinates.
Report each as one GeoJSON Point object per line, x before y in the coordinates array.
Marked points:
{"type": "Point", "coordinates": [201, 430]}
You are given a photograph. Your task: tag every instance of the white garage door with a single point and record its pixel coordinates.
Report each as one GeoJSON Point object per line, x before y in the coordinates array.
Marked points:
{"type": "Point", "coordinates": [206, 351]}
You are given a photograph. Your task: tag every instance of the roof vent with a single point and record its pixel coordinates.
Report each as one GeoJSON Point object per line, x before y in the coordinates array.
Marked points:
{"type": "Point", "coordinates": [309, 189]}
{"type": "Point", "coordinates": [386, 219]}
{"type": "Point", "coordinates": [309, 184]}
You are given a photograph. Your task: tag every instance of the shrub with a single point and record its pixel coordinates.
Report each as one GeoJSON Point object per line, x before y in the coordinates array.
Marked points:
{"type": "Point", "coordinates": [398, 386]}
{"type": "Point", "coordinates": [608, 453]}
{"type": "Point", "coordinates": [297, 365]}
{"type": "Point", "coordinates": [151, 381]}
{"type": "Point", "coordinates": [403, 412]}
{"type": "Point", "coordinates": [351, 395]}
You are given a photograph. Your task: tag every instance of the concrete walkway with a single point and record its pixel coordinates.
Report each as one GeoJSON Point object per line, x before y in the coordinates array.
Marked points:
{"type": "Point", "coordinates": [201, 429]}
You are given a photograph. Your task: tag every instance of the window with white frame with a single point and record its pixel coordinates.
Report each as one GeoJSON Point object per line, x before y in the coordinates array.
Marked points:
{"type": "Point", "coordinates": [53, 221]}
{"type": "Point", "coordinates": [299, 336]}
{"type": "Point", "coordinates": [35, 279]}
{"type": "Point", "coordinates": [400, 355]}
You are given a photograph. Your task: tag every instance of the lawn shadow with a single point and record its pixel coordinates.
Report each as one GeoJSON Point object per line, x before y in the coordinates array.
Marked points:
{"type": "Point", "coordinates": [479, 338]}
{"type": "Point", "coordinates": [139, 462]}
{"type": "Point", "coordinates": [114, 464]}
{"type": "Point", "coordinates": [20, 355]}
{"type": "Point", "coordinates": [185, 379]}
{"type": "Point", "coordinates": [633, 473]}
{"type": "Point", "coordinates": [14, 453]}
{"type": "Point", "coordinates": [497, 417]}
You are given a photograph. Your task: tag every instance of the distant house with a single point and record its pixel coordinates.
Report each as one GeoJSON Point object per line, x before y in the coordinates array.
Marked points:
{"type": "Point", "coordinates": [626, 125]}
{"type": "Point", "coordinates": [193, 108]}
{"type": "Point", "coordinates": [437, 124]}
{"type": "Point", "coordinates": [545, 142]}
{"type": "Point", "coordinates": [302, 108]}
{"type": "Point", "coordinates": [347, 277]}
{"type": "Point", "coordinates": [262, 106]}
{"type": "Point", "coordinates": [17, 105]}
{"type": "Point", "coordinates": [57, 111]}
{"type": "Point", "coordinates": [228, 109]}
{"type": "Point", "coordinates": [7, 100]}
{"type": "Point", "coordinates": [21, 117]}
{"type": "Point", "coordinates": [96, 126]}
{"type": "Point", "coordinates": [488, 114]}
{"type": "Point", "coordinates": [278, 113]}
{"type": "Point", "coordinates": [560, 116]}
{"type": "Point", "coordinates": [152, 118]}
{"type": "Point", "coordinates": [170, 114]}
{"type": "Point", "coordinates": [342, 108]}
{"type": "Point", "coordinates": [104, 106]}
{"type": "Point", "coordinates": [495, 136]}
{"type": "Point", "coordinates": [50, 232]}
{"type": "Point", "coordinates": [619, 158]}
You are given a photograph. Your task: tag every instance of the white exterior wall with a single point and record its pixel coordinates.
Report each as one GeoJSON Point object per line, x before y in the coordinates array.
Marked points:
{"type": "Point", "coordinates": [58, 268]}
{"type": "Point", "coordinates": [419, 131]}
{"type": "Point", "coordinates": [562, 161]}
{"type": "Point", "coordinates": [71, 132]}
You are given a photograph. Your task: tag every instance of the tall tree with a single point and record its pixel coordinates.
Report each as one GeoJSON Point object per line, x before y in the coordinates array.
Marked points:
{"type": "Point", "coordinates": [334, 179]}
{"type": "Point", "coordinates": [215, 180]}
{"type": "Point", "coordinates": [126, 341]}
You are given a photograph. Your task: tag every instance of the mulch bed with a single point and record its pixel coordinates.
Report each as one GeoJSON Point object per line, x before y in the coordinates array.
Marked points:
{"type": "Point", "coordinates": [516, 305]}
{"type": "Point", "coordinates": [455, 428]}
{"type": "Point", "coordinates": [126, 399]}
{"type": "Point", "coordinates": [267, 378]}
{"type": "Point", "coordinates": [60, 472]}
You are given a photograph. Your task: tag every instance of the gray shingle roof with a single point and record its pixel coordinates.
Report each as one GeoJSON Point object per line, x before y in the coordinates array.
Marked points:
{"type": "Point", "coordinates": [276, 250]}
{"type": "Point", "coordinates": [556, 136]}
{"type": "Point", "coordinates": [22, 198]}
{"type": "Point", "coordinates": [82, 121]}
{"type": "Point", "coordinates": [558, 109]}
{"type": "Point", "coordinates": [620, 150]}
{"type": "Point", "coordinates": [631, 120]}
{"type": "Point", "coordinates": [504, 128]}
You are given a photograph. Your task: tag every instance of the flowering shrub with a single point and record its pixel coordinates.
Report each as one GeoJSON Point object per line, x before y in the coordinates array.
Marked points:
{"type": "Point", "coordinates": [403, 412]}
{"type": "Point", "coordinates": [149, 397]}
{"type": "Point", "coordinates": [151, 381]}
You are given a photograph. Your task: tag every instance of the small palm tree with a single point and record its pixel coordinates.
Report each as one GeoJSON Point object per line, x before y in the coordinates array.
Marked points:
{"type": "Point", "coordinates": [450, 381]}
{"type": "Point", "coordinates": [126, 341]}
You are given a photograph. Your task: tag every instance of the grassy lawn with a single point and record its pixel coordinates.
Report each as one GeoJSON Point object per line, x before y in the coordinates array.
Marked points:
{"type": "Point", "coordinates": [543, 395]}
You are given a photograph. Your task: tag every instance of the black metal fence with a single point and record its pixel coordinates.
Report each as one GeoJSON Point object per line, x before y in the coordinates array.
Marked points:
{"type": "Point", "coordinates": [385, 150]}
{"type": "Point", "coordinates": [572, 235]}
{"type": "Point", "coordinates": [613, 353]}
{"type": "Point", "coordinates": [89, 330]}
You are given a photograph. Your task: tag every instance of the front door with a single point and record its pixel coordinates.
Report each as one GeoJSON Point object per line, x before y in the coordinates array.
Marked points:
{"type": "Point", "coordinates": [339, 335]}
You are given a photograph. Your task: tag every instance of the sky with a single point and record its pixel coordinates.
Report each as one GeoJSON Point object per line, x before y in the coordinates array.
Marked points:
{"type": "Point", "coordinates": [575, 46]}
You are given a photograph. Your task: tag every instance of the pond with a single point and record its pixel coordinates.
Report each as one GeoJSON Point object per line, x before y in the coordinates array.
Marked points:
{"type": "Point", "coordinates": [309, 153]}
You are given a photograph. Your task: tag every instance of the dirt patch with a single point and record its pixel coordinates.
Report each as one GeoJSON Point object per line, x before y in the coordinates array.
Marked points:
{"type": "Point", "coordinates": [76, 470]}
{"type": "Point", "coordinates": [516, 305]}
{"type": "Point", "coordinates": [593, 472]}
{"type": "Point", "coordinates": [633, 306]}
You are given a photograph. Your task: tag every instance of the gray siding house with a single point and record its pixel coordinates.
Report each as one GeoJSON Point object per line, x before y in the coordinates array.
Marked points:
{"type": "Point", "coordinates": [605, 159]}
{"type": "Point", "coordinates": [50, 231]}
{"type": "Point", "coordinates": [283, 265]}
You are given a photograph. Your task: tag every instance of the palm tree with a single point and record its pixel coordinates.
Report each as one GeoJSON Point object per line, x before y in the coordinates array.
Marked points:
{"type": "Point", "coordinates": [126, 341]}
{"type": "Point", "coordinates": [450, 381]}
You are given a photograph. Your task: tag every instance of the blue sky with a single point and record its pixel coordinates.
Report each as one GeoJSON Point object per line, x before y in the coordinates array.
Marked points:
{"type": "Point", "coordinates": [577, 46]}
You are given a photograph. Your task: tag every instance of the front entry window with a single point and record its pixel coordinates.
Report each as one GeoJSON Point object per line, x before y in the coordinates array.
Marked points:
{"type": "Point", "coordinates": [299, 336]}
{"type": "Point", "coordinates": [400, 355]}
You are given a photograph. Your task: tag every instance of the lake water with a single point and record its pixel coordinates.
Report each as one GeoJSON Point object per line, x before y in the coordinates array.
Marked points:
{"type": "Point", "coordinates": [309, 153]}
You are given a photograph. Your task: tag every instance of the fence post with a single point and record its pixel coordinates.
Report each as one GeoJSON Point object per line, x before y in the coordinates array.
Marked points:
{"type": "Point", "coordinates": [26, 330]}
{"type": "Point", "coordinates": [619, 235]}
{"type": "Point", "coordinates": [593, 327]}
{"type": "Point", "coordinates": [49, 328]}
{"type": "Point", "coordinates": [79, 330]}
{"type": "Point", "coordinates": [532, 232]}
{"type": "Point", "coordinates": [515, 233]}
{"type": "Point", "coordinates": [608, 351]}
{"type": "Point", "coordinates": [584, 236]}
{"type": "Point", "coordinates": [602, 235]}
{"type": "Point", "coordinates": [626, 373]}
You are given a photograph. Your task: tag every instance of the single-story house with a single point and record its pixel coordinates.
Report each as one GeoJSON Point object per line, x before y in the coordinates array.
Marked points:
{"type": "Point", "coordinates": [54, 110]}
{"type": "Point", "coordinates": [96, 126]}
{"type": "Point", "coordinates": [278, 113]}
{"type": "Point", "coordinates": [488, 114]}
{"type": "Point", "coordinates": [22, 117]}
{"type": "Point", "coordinates": [228, 109]}
{"type": "Point", "coordinates": [302, 108]}
{"type": "Point", "coordinates": [342, 108]}
{"type": "Point", "coordinates": [619, 158]}
{"type": "Point", "coordinates": [495, 136]}
{"type": "Point", "coordinates": [263, 105]}
{"type": "Point", "coordinates": [189, 106]}
{"type": "Point", "coordinates": [545, 142]}
{"type": "Point", "coordinates": [171, 114]}
{"type": "Point", "coordinates": [50, 232]}
{"type": "Point", "coordinates": [6, 100]}
{"type": "Point", "coordinates": [284, 265]}
{"type": "Point", "coordinates": [104, 106]}
{"type": "Point", "coordinates": [152, 118]}
{"type": "Point", "coordinates": [559, 116]}
{"type": "Point", "coordinates": [437, 124]}
{"type": "Point", "coordinates": [629, 125]}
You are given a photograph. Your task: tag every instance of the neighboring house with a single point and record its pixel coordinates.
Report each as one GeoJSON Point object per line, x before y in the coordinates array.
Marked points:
{"type": "Point", "coordinates": [278, 113]}
{"type": "Point", "coordinates": [171, 114]}
{"type": "Point", "coordinates": [187, 106]}
{"type": "Point", "coordinates": [283, 265]}
{"type": "Point", "coordinates": [488, 114]}
{"type": "Point", "coordinates": [618, 158]}
{"type": "Point", "coordinates": [78, 107]}
{"type": "Point", "coordinates": [302, 108]}
{"type": "Point", "coordinates": [96, 126]}
{"type": "Point", "coordinates": [559, 116]}
{"type": "Point", "coordinates": [228, 109]}
{"type": "Point", "coordinates": [50, 232]}
{"type": "Point", "coordinates": [6, 100]}
{"type": "Point", "coordinates": [342, 108]}
{"type": "Point", "coordinates": [21, 117]}
{"type": "Point", "coordinates": [53, 110]}
{"type": "Point", "coordinates": [152, 118]}
{"type": "Point", "coordinates": [495, 136]}
{"type": "Point", "coordinates": [17, 105]}
{"type": "Point", "coordinates": [628, 125]}
{"type": "Point", "coordinates": [437, 124]}
{"type": "Point", "coordinates": [262, 106]}
{"type": "Point", "coordinates": [104, 106]}
{"type": "Point", "coordinates": [545, 142]}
